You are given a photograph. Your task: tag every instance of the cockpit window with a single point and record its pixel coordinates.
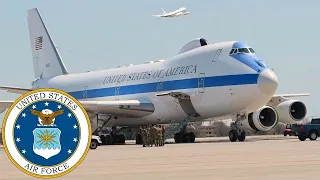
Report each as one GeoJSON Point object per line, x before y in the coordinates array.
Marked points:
{"type": "Point", "coordinates": [243, 50]}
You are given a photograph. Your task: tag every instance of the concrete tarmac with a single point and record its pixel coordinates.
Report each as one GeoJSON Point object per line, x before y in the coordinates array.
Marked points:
{"type": "Point", "coordinates": [272, 158]}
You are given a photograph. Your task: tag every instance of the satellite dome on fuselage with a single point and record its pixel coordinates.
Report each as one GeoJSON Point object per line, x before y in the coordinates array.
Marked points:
{"type": "Point", "coordinates": [198, 42]}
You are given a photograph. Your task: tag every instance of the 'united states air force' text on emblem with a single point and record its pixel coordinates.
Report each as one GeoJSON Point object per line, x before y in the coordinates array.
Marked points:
{"type": "Point", "coordinates": [46, 133]}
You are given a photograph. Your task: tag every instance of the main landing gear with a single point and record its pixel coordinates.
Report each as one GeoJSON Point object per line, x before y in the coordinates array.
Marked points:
{"type": "Point", "coordinates": [236, 132]}
{"type": "Point", "coordinates": [183, 136]}
{"type": "Point", "coordinates": [113, 137]}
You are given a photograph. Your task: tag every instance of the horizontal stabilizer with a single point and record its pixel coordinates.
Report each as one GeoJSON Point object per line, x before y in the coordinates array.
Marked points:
{"type": "Point", "coordinates": [126, 108]}
{"type": "Point", "coordinates": [15, 90]}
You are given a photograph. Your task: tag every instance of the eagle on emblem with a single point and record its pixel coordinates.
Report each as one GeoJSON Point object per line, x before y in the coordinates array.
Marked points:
{"type": "Point", "coordinates": [46, 117]}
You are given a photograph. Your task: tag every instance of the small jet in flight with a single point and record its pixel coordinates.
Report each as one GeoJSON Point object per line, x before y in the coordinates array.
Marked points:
{"type": "Point", "coordinates": [180, 12]}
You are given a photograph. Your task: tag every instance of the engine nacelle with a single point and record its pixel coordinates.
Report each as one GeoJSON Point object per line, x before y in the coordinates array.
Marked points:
{"type": "Point", "coordinates": [291, 111]}
{"type": "Point", "coordinates": [263, 119]}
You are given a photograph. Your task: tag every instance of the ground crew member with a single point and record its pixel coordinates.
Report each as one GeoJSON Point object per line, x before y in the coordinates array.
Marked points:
{"type": "Point", "coordinates": [153, 135]}
{"type": "Point", "coordinates": [143, 136]}
{"type": "Point", "coordinates": [146, 132]}
{"type": "Point", "coordinates": [159, 135]}
{"type": "Point", "coordinates": [163, 140]}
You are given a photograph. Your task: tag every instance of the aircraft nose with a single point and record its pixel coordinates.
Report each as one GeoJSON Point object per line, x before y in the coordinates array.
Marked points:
{"type": "Point", "coordinates": [268, 82]}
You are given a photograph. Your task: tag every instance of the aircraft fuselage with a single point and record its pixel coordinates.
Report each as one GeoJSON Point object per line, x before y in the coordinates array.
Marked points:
{"type": "Point", "coordinates": [218, 84]}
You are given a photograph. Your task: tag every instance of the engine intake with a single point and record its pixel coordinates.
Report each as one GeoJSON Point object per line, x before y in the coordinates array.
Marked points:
{"type": "Point", "coordinates": [291, 111]}
{"type": "Point", "coordinates": [263, 119]}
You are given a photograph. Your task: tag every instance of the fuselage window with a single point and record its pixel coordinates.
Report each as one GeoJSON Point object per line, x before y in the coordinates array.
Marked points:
{"type": "Point", "coordinates": [231, 52]}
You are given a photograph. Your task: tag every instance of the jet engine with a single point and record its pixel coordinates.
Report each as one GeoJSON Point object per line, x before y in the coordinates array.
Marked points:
{"type": "Point", "coordinates": [291, 111]}
{"type": "Point", "coordinates": [263, 119]}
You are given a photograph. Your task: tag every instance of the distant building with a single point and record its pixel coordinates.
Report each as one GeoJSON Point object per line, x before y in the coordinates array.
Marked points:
{"type": "Point", "coordinates": [205, 131]}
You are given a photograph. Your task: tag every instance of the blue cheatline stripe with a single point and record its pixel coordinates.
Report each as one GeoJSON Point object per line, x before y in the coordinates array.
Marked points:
{"type": "Point", "coordinates": [214, 81]}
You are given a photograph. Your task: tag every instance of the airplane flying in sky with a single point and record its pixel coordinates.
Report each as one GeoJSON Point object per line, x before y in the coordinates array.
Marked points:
{"type": "Point", "coordinates": [180, 12]}
{"type": "Point", "coordinates": [204, 80]}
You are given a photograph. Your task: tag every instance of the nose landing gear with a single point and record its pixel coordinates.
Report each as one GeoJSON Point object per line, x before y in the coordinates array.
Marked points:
{"type": "Point", "coordinates": [236, 132]}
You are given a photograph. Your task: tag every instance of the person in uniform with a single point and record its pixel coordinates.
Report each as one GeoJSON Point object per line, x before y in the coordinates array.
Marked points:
{"type": "Point", "coordinates": [153, 135]}
{"type": "Point", "coordinates": [163, 140]}
{"type": "Point", "coordinates": [143, 136]}
{"type": "Point", "coordinates": [146, 132]}
{"type": "Point", "coordinates": [159, 135]}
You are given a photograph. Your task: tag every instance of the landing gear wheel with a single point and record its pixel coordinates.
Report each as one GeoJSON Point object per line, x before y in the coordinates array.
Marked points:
{"type": "Point", "coordinates": [191, 137]}
{"type": "Point", "coordinates": [121, 139]}
{"type": "Point", "coordinates": [302, 138]}
{"type": "Point", "coordinates": [94, 144]}
{"type": "Point", "coordinates": [177, 138]}
{"type": "Point", "coordinates": [313, 135]}
{"type": "Point", "coordinates": [138, 139]}
{"type": "Point", "coordinates": [242, 136]}
{"type": "Point", "coordinates": [233, 135]}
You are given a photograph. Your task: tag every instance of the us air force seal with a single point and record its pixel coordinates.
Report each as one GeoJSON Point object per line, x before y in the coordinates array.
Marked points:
{"type": "Point", "coordinates": [46, 133]}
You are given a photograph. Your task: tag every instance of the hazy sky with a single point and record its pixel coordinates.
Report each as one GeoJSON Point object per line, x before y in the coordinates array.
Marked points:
{"type": "Point", "coordinates": [96, 34]}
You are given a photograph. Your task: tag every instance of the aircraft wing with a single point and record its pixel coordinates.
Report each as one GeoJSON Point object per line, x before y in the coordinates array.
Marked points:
{"type": "Point", "coordinates": [15, 90]}
{"type": "Point", "coordinates": [157, 15]}
{"type": "Point", "coordinates": [125, 108]}
{"type": "Point", "coordinates": [291, 95]}
{"type": "Point", "coordinates": [277, 98]}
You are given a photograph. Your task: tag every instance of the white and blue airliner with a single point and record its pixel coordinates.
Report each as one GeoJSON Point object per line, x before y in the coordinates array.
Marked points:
{"type": "Point", "coordinates": [203, 80]}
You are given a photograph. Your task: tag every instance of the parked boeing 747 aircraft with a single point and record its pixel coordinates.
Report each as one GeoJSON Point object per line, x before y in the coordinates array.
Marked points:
{"type": "Point", "coordinates": [180, 12]}
{"type": "Point", "coordinates": [204, 80]}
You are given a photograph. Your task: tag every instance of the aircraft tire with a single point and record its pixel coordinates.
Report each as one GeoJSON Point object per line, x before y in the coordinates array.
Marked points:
{"type": "Point", "coordinates": [121, 139]}
{"type": "Point", "coordinates": [177, 138]}
{"type": "Point", "coordinates": [242, 136]}
{"type": "Point", "coordinates": [233, 135]}
{"type": "Point", "coordinates": [138, 139]}
{"type": "Point", "coordinates": [191, 137]}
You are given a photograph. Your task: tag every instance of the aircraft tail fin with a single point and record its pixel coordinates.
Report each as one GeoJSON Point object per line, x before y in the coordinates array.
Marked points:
{"type": "Point", "coordinates": [163, 11]}
{"type": "Point", "coordinates": [46, 59]}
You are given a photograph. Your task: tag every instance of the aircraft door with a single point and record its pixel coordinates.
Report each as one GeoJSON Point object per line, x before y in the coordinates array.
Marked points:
{"type": "Point", "coordinates": [85, 92]}
{"type": "Point", "coordinates": [216, 55]}
{"type": "Point", "coordinates": [117, 91]}
{"type": "Point", "coordinates": [160, 85]}
{"type": "Point", "coordinates": [201, 79]}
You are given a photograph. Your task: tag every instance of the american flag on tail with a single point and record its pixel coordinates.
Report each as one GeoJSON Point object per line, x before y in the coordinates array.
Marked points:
{"type": "Point", "coordinates": [39, 43]}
